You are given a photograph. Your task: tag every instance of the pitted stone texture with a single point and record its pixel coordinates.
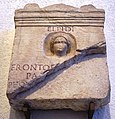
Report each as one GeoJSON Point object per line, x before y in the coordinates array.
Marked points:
{"type": "Point", "coordinates": [52, 82]}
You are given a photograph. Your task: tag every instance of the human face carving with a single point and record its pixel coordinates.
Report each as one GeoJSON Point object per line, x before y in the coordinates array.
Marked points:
{"type": "Point", "coordinates": [60, 46]}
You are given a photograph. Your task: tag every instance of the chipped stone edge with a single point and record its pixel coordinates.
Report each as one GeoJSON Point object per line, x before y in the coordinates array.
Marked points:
{"type": "Point", "coordinates": [59, 7]}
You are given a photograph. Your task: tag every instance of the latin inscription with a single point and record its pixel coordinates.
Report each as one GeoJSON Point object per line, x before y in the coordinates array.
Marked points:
{"type": "Point", "coordinates": [15, 84]}
{"type": "Point", "coordinates": [61, 28]}
{"type": "Point", "coordinates": [30, 67]}
{"type": "Point", "coordinates": [31, 72]}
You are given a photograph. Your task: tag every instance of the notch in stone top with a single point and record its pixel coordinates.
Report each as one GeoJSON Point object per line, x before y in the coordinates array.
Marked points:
{"type": "Point", "coordinates": [28, 7]}
{"type": "Point", "coordinates": [64, 7]}
{"type": "Point", "coordinates": [32, 6]}
{"type": "Point", "coordinates": [61, 7]}
{"type": "Point", "coordinates": [89, 8]}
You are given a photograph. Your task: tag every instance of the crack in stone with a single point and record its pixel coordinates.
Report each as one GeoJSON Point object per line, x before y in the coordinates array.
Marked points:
{"type": "Point", "coordinates": [99, 48]}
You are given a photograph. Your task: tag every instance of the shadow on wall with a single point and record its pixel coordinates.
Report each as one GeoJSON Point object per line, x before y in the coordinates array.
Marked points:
{"type": "Point", "coordinates": [58, 114]}
{"type": "Point", "coordinates": [14, 114]}
{"type": "Point", "coordinates": [52, 75]}
{"type": "Point", "coordinates": [102, 113]}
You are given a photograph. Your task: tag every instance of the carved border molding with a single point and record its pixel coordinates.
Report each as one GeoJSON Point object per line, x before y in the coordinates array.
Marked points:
{"type": "Point", "coordinates": [33, 15]}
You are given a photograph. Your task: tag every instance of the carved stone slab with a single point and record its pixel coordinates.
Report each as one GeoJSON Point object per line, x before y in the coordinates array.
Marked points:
{"type": "Point", "coordinates": [59, 58]}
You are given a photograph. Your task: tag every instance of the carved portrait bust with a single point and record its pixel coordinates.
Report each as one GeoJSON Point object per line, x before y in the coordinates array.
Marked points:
{"type": "Point", "coordinates": [60, 44]}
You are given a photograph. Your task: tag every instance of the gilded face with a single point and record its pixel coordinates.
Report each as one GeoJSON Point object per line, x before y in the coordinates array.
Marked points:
{"type": "Point", "coordinates": [60, 46]}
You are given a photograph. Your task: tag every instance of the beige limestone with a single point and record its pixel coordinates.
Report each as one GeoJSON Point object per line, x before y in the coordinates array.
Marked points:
{"type": "Point", "coordinates": [6, 43]}
{"type": "Point", "coordinates": [45, 77]}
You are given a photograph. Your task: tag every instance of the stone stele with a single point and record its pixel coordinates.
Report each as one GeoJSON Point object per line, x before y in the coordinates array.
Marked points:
{"type": "Point", "coordinates": [58, 58]}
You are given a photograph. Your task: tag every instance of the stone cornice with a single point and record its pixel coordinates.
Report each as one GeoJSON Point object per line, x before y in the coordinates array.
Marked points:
{"type": "Point", "coordinates": [33, 15]}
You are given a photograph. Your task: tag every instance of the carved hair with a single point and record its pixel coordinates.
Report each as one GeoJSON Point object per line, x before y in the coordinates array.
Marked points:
{"type": "Point", "coordinates": [51, 39]}
{"type": "Point", "coordinates": [67, 42]}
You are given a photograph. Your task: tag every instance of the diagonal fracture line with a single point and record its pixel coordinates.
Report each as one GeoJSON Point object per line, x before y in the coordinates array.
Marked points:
{"type": "Point", "coordinates": [99, 48]}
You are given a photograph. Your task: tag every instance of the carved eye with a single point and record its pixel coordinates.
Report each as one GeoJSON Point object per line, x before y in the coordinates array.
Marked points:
{"type": "Point", "coordinates": [63, 42]}
{"type": "Point", "coordinates": [59, 42]}
{"type": "Point", "coordinates": [56, 42]}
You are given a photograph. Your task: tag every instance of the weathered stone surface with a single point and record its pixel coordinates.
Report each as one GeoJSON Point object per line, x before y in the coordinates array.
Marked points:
{"type": "Point", "coordinates": [59, 58]}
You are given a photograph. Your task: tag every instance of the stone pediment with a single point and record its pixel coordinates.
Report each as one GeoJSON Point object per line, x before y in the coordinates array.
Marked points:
{"type": "Point", "coordinates": [59, 14]}
{"type": "Point", "coordinates": [60, 7]}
